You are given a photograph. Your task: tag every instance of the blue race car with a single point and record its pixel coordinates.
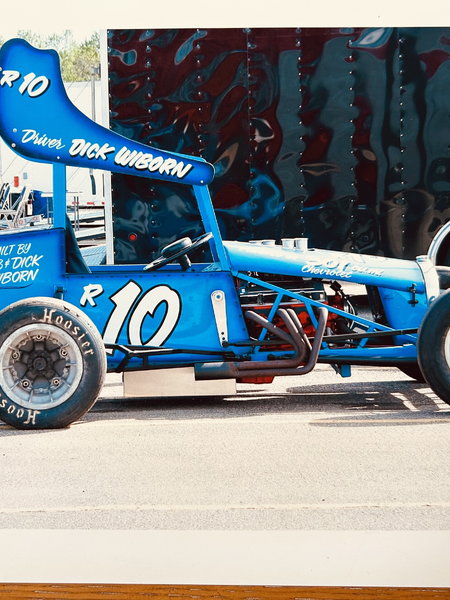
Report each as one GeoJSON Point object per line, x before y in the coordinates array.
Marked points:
{"type": "Point", "coordinates": [249, 313]}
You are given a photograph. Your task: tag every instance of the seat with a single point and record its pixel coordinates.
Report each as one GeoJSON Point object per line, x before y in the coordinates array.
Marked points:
{"type": "Point", "coordinates": [75, 262]}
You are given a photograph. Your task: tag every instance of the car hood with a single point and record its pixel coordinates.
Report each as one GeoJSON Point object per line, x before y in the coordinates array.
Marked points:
{"type": "Point", "coordinates": [325, 264]}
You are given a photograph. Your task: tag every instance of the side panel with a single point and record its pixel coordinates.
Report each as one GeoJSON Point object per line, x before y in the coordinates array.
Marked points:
{"type": "Point", "coordinates": [167, 308]}
{"type": "Point", "coordinates": [31, 264]}
{"type": "Point", "coordinates": [402, 309]}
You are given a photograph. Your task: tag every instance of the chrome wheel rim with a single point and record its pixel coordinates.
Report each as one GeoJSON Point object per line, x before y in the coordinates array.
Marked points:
{"type": "Point", "coordinates": [40, 366]}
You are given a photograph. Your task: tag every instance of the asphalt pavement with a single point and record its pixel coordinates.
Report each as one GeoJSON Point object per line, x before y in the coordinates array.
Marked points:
{"type": "Point", "coordinates": [317, 452]}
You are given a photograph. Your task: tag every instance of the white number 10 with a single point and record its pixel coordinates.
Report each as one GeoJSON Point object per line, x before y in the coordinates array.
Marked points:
{"type": "Point", "coordinates": [127, 305]}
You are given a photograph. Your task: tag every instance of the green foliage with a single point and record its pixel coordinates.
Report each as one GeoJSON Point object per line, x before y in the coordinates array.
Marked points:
{"type": "Point", "coordinates": [79, 61]}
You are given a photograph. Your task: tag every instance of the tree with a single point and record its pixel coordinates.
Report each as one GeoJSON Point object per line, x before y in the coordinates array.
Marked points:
{"type": "Point", "coordinates": [79, 61]}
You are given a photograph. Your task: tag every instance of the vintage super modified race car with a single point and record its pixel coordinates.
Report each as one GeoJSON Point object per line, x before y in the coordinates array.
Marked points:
{"type": "Point", "coordinates": [251, 312]}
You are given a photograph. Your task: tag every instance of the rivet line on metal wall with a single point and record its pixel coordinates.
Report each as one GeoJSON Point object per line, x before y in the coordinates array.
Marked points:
{"type": "Point", "coordinates": [353, 186]}
{"type": "Point", "coordinates": [402, 147]}
{"type": "Point", "coordinates": [302, 184]}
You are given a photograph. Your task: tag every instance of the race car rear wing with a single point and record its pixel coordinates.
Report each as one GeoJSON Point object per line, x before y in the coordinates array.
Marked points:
{"type": "Point", "coordinates": [39, 122]}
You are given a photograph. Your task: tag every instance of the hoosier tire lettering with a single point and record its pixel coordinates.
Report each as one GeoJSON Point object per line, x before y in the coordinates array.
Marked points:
{"type": "Point", "coordinates": [28, 416]}
{"type": "Point", "coordinates": [68, 325]}
{"type": "Point", "coordinates": [52, 364]}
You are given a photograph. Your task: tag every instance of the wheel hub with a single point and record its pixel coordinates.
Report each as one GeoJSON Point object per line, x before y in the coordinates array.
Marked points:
{"type": "Point", "coordinates": [40, 363]}
{"type": "Point", "coordinates": [40, 366]}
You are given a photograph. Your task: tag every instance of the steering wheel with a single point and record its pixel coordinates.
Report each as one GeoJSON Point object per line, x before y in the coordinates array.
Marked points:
{"type": "Point", "coordinates": [178, 250]}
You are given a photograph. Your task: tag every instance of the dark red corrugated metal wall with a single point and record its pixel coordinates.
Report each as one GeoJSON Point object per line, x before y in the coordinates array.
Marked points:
{"type": "Point", "coordinates": [338, 134]}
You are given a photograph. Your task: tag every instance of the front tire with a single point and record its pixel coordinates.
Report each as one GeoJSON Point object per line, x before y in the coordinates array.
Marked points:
{"type": "Point", "coordinates": [433, 347]}
{"type": "Point", "coordinates": [52, 364]}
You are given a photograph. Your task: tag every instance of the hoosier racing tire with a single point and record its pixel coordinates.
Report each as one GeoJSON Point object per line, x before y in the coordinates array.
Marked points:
{"type": "Point", "coordinates": [52, 364]}
{"type": "Point", "coordinates": [413, 371]}
{"type": "Point", "coordinates": [433, 347]}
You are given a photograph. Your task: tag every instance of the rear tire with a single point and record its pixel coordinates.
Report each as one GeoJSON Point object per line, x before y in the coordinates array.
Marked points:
{"type": "Point", "coordinates": [413, 371]}
{"type": "Point", "coordinates": [52, 364]}
{"type": "Point", "coordinates": [433, 347]}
